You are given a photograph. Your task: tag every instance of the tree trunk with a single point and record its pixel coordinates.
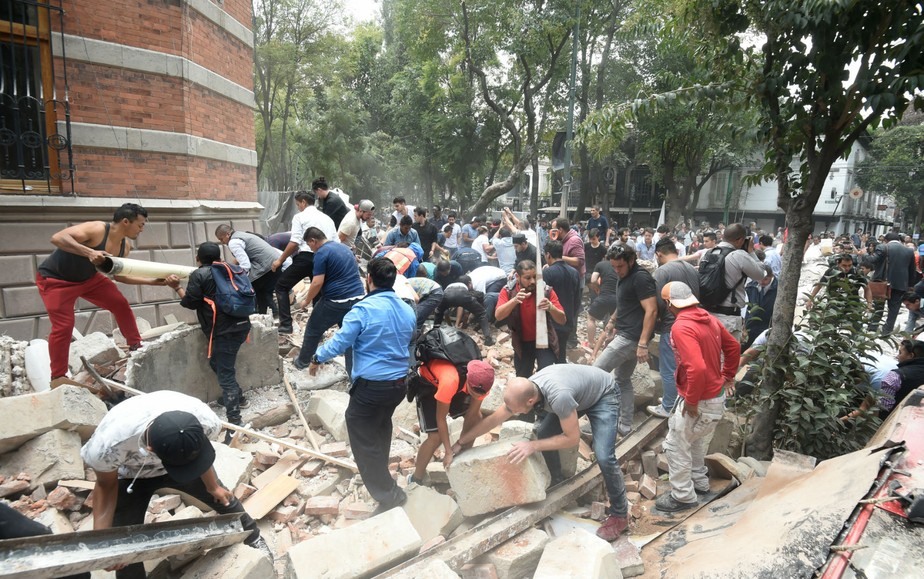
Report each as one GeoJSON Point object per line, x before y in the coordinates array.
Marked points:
{"type": "Point", "coordinates": [495, 190]}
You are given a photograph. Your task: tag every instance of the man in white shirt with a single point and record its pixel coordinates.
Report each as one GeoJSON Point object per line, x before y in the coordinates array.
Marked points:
{"type": "Point", "coordinates": [402, 209]}
{"type": "Point", "coordinates": [303, 262]}
{"type": "Point", "coordinates": [353, 221]}
{"type": "Point", "coordinates": [153, 441]}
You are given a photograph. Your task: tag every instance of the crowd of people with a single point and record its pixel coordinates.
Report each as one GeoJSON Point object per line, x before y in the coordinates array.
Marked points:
{"type": "Point", "coordinates": [707, 293]}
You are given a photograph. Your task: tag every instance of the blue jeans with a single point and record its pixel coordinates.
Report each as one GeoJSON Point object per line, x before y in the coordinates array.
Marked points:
{"type": "Point", "coordinates": [604, 420]}
{"type": "Point", "coordinates": [428, 305]}
{"type": "Point", "coordinates": [222, 362]}
{"type": "Point", "coordinates": [620, 355]}
{"type": "Point", "coordinates": [913, 318]}
{"type": "Point", "coordinates": [325, 315]}
{"type": "Point", "coordinates": [667, 366]}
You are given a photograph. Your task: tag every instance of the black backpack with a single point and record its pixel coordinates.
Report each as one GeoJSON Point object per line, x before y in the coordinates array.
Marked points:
{"type": "Point", "coordinates": [444, 343]}
{"type": "Point", "coordinates": [234, 294]}
{"type": "Point", "coordinates": [712, 288]}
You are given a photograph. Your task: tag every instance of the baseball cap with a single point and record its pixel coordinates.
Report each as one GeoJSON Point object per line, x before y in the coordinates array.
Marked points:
{"type": "Point", "coordinates": [179, 441]}
{"type": "Point", "coordinates": [678, 294]}
{"type": "Point", "coordinates": [366, 205]}
{"type": "Point", "coordinates": [480, 376]}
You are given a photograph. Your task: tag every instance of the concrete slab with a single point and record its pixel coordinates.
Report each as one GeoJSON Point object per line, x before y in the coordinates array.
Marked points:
{"type": "Point", "coordinates": [97, 348]}
{"type": "Point", "coordinates": [427, 569]}
{"type": "Point", "coordinates": [484, 480]}
{"type": "Point", "coordinates": [235, 562]}
{"type": "Point", "coordinates": [30, 415]}
{"type": "Point", "coordinates": [232, 466]}
{"type": "Point", "coordinates": [519, 556]}
{"type": "Point", "coordinates": [327, 409]}
{"type": "Point", "coordinates": [432, 513]}
{"type": "Point", "coordinates": [48, 458]}
{"type": "Point", "coordinates": [178, 361]}
{"type": "Point", "coordinates": [578, 555]}
{"type": "Point", "coordinates": [360, 550]}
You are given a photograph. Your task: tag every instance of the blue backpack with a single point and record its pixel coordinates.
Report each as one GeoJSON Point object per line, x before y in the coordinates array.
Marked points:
{"type": "Point", "coordinates": [234, 294]}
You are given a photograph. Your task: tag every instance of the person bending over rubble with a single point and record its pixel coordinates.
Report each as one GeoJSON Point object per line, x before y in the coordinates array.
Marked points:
{"type": "Point", "coordinates": [566, 392]}
{"type": "Point", "coordinates": [225, 333]}
{"type": "Point", "coordinates": [70, 273]}
{"type": "Point", "coordinates": [379, 328]}
{"type": "Point", "coordinates": [147, 443]}
{"type": "Point", "coordinates": [447, 393]}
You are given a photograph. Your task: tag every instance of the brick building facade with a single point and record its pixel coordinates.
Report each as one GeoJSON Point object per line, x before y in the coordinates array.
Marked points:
{"type": "Point", "coordinates": [148, 101]}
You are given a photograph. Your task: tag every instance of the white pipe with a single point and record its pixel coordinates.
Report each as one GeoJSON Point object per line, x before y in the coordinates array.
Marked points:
{"type": "Point", "coordinates": [137, 267]}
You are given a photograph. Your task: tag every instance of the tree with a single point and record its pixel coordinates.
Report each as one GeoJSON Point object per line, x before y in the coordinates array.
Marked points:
{"type": "Point", "coordinates": [896, 166]}
{"type": "Point", "coordinates": [825, 73]}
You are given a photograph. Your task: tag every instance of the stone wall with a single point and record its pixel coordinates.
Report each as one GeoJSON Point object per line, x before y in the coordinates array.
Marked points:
{"type": "Point", "coordinates": [173, 230]}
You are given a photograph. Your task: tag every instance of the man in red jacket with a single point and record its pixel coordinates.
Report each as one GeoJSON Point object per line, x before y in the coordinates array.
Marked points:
{"type": "Point", "coordinates": [707, 359]}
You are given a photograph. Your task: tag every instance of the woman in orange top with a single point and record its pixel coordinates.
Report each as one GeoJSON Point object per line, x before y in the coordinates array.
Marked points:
{"type": "Point", "coordinates": [448, 398]}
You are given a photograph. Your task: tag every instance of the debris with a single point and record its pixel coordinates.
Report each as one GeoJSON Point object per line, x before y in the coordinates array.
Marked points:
{"type": "Point", "coordinates": [49, 458]}
{"type": "Point", "coordinates": [97, 348]}
{"type": "Point", "coordinates": [478, 571]}
{"type": "Point", "coordinates": [327, 408]}
{"type": "Point", "coordinates": [13, 487]}
{"type": "Point", "coordinates": [285, 465]}
{"type": "Point", "coordinates": [265, 500]}
{"type": "Point", "coordinates": [272, 417]}
{"type": "Point", "coordinates": [335, 449]}
{"type": "Point", "coordinates": [650, 463]}
{"type": "Point", "coordinates": [64, 500]}
{"type": "Point", "coordinates": [485, 480]}
{"type": "Point", "coordinates": [322, 505]}
{"type": "Point", "coordinates": [725, 467]}
{"type": "Point", "coordinates": [560, 559]}
{"type": "Point", "coordinates": [359, 550]}
{"type": "Point", "coordinates": [232, 466]}
{"type": "Point", "coordinates": [629, 556]}
{"type": "Point", "coordinates": [66, 408]}
{"type": "Point", "coordinates": [357, 511]}
{"type": "Point", "coordinates": [517, 429]}
{"type": "Point", "coordinates": [648, 487]}
{"type": "Point", "coordinates": [432, 513]}
{"type": "Point", "coordinates": [234, 562]}
{"type": "Point", "coordinates": [312, 438]}
{"type": "Point", "coordinates": [429, 569]}
{"type": "Point", "coordinates": [163, 504]}
{"type": "Point", "coordinates": [519, 556]}
{"type": "Point", "coordinates": [759, 468]}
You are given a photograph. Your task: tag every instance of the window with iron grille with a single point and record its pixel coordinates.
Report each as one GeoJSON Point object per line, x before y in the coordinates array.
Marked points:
{"type": "Point", "coordinates": [35, 156]}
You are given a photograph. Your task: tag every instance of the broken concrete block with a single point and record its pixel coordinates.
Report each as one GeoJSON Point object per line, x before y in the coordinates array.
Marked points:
{"type": "Point", "coordinates": [629, 556]}
{"type": "Point", "coordinates": [432, 513]}
{"type": "Point", "coordinates": [721, 441]}
{"type": "Point", "coordinates": [235, 562]}
{"type": "Point", "coordinates": [662, 463]}
{"type": "Point", "coordinates": [650, 463]}
{"type": "Point", "coordinates": [437, 473]}
{"type": "Point", "coordinates": [360, 550]}
{"type": "Point", "coordinates": [143, 326]}
{"type": "Point", "coordinates": [517, 429]}
{"type": "Point", "coordinates": [322, 505]}
{"type": "Point", "coordinates": [645, 388]}
{"type": "Point", "coordinates": [519, 556]}
{"type": "Point", "coordinates": [13, 488]}
{"type": "Point", "coordinates": [356, 511]}
{"type": "Point", "coordinates": [478, 571]}
{"type": "Point", "coordinates": [97, 348]}
{"type": "Point", "coordinates": [487, 467]}
{"type": "Point", "coordinates": [648, 487]}
{"type": "Point", "coordinates": [233, 466]}
{"type": "Point", "coordinates": [428, 569]}
{"type": "Point", "coordinates": [178, 361]}
{"type": "Point", "coordinates": [165, 503]}
{"type": "Point", "coordinates": [189, 512]}
{"type": "Point", "coordinates": [335, 449]}
{"type": "Point", "coordinates": [265, 456]}
{"type": "Point", "coordinates": [631, 486]}
{"type": "Point", "coordinates": [327, 408]}
{"type": "Point", "coordinates": [725, 467]}
{"type": "Point", "coordinates": [494, 399]}
{"type": "Point", "coordinates": [310, 468]}
{"type": "Point", "coordinates": [55, 520]}
{"type": "Point", "coordinates": [759, 468]}
{"type": "Point", "coordinates": [48, 458]}
{"type": "Point", "coordinates": [65, 407]}
{"type": "Point", "coordinates": [322, 484]}
{"type": "Point", "coordinates": [578, 554]}
{"type": "Point", "coordinates": [63, 499]}
{"type": "Point", "coordinates": [568, 457]}
{"type": "Point", "coordinates": [284, 514]}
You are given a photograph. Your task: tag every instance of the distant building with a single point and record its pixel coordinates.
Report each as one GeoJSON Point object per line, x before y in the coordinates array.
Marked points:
{"type": "Point", "coordinates": [108, 102]}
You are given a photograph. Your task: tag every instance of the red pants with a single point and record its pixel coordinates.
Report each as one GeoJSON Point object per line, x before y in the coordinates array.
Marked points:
{"type": "Point", "coordinates": [60, 296]}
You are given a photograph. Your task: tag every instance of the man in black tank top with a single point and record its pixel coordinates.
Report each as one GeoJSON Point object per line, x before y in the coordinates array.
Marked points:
{"type": "Point", "coordinates": [70, 273]}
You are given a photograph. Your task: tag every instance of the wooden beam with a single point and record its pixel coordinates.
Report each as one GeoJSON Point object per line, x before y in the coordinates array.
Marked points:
{"type": "Point", "coordinates": [283, 467]}
{"type": "Point", "coordinates": [312, 437]}
{"type": "Point", "coordinates": [259, 504]}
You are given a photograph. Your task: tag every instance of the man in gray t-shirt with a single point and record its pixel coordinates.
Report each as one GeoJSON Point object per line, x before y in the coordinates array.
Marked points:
{"type": "Point", "coordinates": [565, 392]}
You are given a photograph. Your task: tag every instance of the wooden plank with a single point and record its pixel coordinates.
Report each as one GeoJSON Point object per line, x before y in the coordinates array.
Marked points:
{"type": "Point", "coordinates": [86, 485]}
{"type": "Point", "coordinates": [283, 466]}
{"type": "Point", "coordinates": [259, 504]}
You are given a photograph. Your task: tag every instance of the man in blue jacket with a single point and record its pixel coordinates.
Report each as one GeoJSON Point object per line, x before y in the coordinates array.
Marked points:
{"type": "Point", "coordinates": [379, 328]}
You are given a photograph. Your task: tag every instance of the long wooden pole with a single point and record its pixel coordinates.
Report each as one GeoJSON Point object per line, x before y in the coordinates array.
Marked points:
{"type": "Point", "coordinates": [298, 410]}
{"type": "Point", "coordinates": [300, 449]}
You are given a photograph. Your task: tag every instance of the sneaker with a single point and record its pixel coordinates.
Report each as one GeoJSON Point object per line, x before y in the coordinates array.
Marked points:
{"type": "Point", "coordinates": [299, 366]}
{"type": "Point", "coordinates": [260, 545]}
{"type": "Point", "coordinates": [284, 329]}
{"type": "Point", "coordinates": [613, 527]}
{"type": "Point", "coordinates": [244, 403]}
{"type": "Point", "coordinates": [489, 341]}
{"type": "Point", "coordinates": [623, 431]}
{"type": "Point", "coordinates": [668, 504]}
{"type": "Point", "coordinates": [383, 507]}
{"type": "Point", "coordinates": [704, 491]}
{"type": "Point", "coordinates": [658, 411]}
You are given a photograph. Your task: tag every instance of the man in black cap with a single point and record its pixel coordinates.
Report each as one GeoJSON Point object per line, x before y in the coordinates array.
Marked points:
{"type": "Point", "coordinates": [145, 444]}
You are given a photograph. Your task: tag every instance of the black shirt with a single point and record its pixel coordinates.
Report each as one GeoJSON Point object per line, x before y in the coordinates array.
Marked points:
{"type": "Point", "coordinates": [593, 256]}
{"type": "Point", "coordinates": [566, 281]}
{"type": "Point", "coordinates": [633, 288]}
{"type": "Point", "coordinates": [428, 234]}
{"type": "Point", "coordinates": [529, 254]}
{"type": "Point", "coordinates": [334, 207]}
{"type": "Point", "coordinates": [609, 279]}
